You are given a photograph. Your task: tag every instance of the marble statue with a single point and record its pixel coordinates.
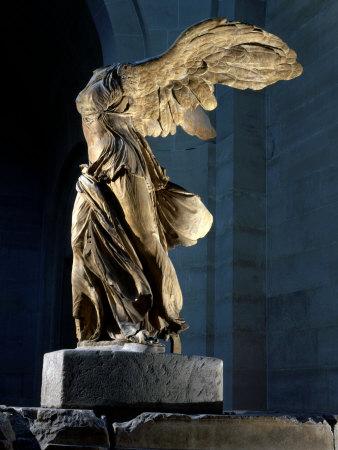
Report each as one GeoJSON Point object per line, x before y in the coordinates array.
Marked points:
{"type": "Point", "coordinates": [127, 213]}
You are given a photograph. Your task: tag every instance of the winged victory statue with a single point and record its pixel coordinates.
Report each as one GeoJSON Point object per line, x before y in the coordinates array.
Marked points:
{"type": "Point", "coordinates": [127, 213]}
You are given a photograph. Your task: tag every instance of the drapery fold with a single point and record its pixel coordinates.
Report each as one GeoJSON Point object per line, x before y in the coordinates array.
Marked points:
{"type": "Point", "coordinates": [118, 288]}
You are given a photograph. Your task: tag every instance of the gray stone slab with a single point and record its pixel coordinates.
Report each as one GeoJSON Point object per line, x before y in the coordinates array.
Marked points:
{"type": "Point", "coordinates": [39, 428]}
{"type": "Point", "coordinates": [24, 428]}
{"type": "Point", "coordinates": [135, 382]}
{"type": "Point", "coordinates": [224, 432]}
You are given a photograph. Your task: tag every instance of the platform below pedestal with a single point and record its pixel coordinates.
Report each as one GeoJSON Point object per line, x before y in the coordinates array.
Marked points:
{"type": "Point", "coordinates": [62, 429]}
{"type": "Point", "coordinates": [132, 382]}
{"type": "Point", "coordinates": [242, 431]}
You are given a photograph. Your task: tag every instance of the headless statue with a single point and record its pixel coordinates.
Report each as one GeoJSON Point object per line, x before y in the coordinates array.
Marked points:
{"type": "Point", "coordinates": [127, 213]}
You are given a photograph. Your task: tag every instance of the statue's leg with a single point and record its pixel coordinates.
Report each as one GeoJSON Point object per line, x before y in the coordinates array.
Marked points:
{"type": "Point", "coordinates": [137, 202]}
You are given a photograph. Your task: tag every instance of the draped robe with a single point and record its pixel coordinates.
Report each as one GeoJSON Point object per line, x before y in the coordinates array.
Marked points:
{"type": "Point", "coordinates": [118, 287]}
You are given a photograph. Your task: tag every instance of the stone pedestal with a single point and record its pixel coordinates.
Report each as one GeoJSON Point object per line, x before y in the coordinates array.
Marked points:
{"type": "Point", "coordinates": [62, 429]}
{"type": "Point", "coordinates": [131, 382]}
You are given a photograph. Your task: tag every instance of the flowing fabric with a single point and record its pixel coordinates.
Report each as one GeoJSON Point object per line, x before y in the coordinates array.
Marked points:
{"type": "Point", "coordinates": [119, 287]}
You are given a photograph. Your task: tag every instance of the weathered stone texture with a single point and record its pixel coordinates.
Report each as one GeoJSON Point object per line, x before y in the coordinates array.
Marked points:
{"type": "Point", "coordinates": [60, 429]}
{"type": "Point", "coordinates": [85, 378]}
{"type": "Point", "coordinates": [7, 435]}
{"type": "Point", "coordinates": [227, 432]}
{"type": "Point", "coordinates": [38, 428]}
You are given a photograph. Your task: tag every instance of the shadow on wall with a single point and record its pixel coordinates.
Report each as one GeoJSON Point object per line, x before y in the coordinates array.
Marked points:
{"type": "Point", "coordinates": [58, 253]}
{"type": "Point", "coordinates": [54, 47]}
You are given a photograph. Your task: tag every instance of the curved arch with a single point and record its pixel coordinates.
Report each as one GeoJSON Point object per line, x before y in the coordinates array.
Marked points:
{"type": "Point", "coordinates": [121, 30]}
{"type": "Point", "coordinates": [104, 28]}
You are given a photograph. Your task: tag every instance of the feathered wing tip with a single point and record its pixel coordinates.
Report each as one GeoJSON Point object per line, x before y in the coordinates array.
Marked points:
{"type": "Point", "coordinates": [172, 89]}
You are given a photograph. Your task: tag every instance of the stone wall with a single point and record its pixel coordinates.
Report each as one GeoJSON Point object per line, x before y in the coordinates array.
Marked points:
{"type": "Point", "coordinates": [224, 276]}
{"type": "Point", "coordinates": [302, 238]}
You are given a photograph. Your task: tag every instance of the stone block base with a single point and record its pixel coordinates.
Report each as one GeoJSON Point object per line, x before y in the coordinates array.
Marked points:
{"type": "Point", "coordinates": [225, 432]}
{"type": "Point", "coordinates": [51, 429]}
{"type": "Point", "coordinates": [59, 429]}
{"type": "Point", "coordinates": [131, 382]}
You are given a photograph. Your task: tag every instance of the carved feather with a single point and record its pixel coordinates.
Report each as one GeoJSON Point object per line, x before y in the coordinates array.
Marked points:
{"type": "Point", "coordinates": [170, 90]}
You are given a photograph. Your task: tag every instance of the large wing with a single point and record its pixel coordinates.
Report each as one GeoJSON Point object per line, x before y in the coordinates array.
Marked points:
{"type": "Point", "coordinates": [171, 90]}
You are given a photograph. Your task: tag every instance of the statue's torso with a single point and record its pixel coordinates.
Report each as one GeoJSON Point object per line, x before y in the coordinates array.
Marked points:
{"type": "Point", "coordinates": [110, 134]}
{"type": "Point", "coordinates": [98, 138]}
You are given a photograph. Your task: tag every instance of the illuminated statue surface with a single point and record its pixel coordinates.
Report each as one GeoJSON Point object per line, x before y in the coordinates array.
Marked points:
{"type": "Point", "coordinates": [127, 213]}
